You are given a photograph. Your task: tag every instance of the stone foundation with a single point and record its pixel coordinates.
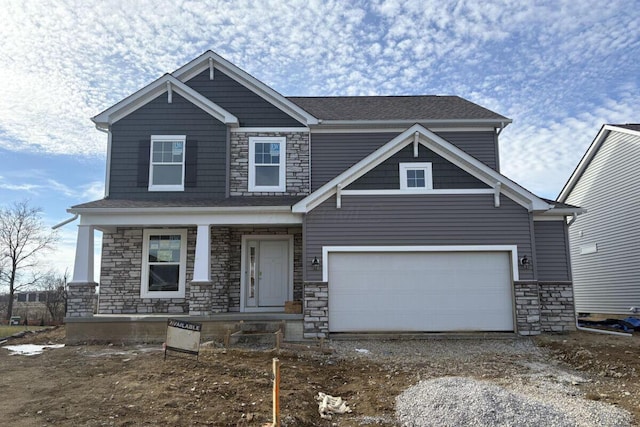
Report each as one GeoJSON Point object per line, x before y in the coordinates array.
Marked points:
{"type": "Point", "coordinates": [80, 299]}
{"type": "Point", "coordinates": [316, 310]}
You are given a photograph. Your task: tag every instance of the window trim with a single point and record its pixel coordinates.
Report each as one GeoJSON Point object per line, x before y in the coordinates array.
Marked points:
{"type": "Point", "coordinates": [160, 138]}
{"type": "Point", "coordinates": [282, 184]}
{"type": "Point", "coordinates": [144, 282]}
{"type": "Point", "coordinates": [428, 176]}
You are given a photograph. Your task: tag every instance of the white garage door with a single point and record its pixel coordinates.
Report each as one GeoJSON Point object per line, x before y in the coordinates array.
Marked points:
{"type": "Point", "coordinates": [420, 291]}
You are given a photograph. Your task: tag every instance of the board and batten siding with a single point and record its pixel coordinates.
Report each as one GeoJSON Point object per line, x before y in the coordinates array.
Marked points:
{"type": "Point", "coordinates": [130, 142]}
{"type": "Point", "coordinates": [333, 153]}
{"type": "Point", "coordinates": [250, 109]}
{"type": "Point", "coordinates": [552, 258]}
{"type": "Point", "coordinates": [605, 246]}
{"type": "Point", "coordinates": [445, 174]}
{"type": "Point", "coordinates": [420, 220]}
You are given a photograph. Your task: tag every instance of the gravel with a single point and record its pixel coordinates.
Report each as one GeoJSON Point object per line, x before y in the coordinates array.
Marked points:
{"type": "Point", "coordinates": [483, 382]}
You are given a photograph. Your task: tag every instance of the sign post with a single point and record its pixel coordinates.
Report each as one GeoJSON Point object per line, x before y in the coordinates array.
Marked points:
{"type": "Point", "coordinates": [183, 337]}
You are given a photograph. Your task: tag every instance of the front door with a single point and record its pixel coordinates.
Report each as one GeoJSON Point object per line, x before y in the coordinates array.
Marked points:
{"type": "Point", "coordinates": [267, 274]}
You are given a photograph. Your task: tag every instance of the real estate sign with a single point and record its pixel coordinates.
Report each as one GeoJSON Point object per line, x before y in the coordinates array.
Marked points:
{"type": "Point", "coordinates": [183, 336]}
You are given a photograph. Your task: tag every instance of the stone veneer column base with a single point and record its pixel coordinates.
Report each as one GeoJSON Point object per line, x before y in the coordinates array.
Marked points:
{"type": "Point", "coordinates": [200, 298]}
{"type": "Point", "coordinates": [557, 311]}
{"type": "Point", "coordinates": [316, 310]}
{"type": "Point", "coordinates": [80, 299]}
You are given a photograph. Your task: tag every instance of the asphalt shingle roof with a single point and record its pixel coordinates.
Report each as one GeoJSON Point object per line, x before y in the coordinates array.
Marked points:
{"type": "Point", "coordinates": [195, 203]}
{"type": "Point", "coordinates": [424, 107]}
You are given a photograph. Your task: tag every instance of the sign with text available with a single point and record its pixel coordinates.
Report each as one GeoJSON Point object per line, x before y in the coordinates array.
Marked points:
{"type": "Point", "coordinates": [183, 336]}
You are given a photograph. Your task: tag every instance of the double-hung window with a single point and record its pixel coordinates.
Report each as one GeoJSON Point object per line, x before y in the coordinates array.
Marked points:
{"type": "Point", "coordinates": [164, 263]}
{"type": "Point", "coordinates": [267, 160]}
{"type": "Point", "coordinates": [166, 168]}
{"type": "Point", "coordinates": [415, 176]}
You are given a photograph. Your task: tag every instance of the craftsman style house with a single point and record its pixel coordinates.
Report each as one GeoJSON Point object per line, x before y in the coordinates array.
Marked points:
{"type": "Point", "coordinates": [226, 200]}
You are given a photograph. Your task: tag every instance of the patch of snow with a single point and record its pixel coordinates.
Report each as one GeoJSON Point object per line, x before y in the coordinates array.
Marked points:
{"type": "Point", "coordinates": [29, 349]}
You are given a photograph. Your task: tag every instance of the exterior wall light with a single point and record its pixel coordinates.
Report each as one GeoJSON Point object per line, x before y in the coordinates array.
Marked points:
{"type": "Point", "coordinates": [525, 262]}
{"type": "Point", "coordinates": [315, 263]}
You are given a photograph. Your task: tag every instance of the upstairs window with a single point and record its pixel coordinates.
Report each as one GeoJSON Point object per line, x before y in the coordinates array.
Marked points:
{"type": "Point", "coordinates": [267, 160]}
{"type": "Point", "coordinates": [415, 176]}
{"type": "Point", "coordinates": [166, 170]}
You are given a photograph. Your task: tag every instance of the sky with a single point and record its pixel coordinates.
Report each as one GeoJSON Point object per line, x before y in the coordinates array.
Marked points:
{"type": "Point", "coordinates": [558, 69]}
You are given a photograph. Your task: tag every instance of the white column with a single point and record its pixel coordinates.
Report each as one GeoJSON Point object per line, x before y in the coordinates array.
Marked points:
{"type": "Point", "coordinates": [83, 265]}
{"type": "Point", "coordinates": [202, 263]}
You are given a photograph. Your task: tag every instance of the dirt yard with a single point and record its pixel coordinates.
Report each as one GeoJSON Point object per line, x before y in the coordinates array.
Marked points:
{"type": "Point", "coordinates": [132, 386]}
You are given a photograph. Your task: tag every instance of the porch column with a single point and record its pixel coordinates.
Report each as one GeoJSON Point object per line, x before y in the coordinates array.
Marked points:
{"type": "Point", "coordinates": [82, 288]}
{"type": "Point", "coordinates": [201, 285]}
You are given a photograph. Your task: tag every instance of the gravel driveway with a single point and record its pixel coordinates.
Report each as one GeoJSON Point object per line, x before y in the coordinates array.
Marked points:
{"type": "Point", "coordinates": [484, 382]}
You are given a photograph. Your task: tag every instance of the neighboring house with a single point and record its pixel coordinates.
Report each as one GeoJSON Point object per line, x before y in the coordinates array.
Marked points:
{"type": "Point", "coordinates": [224, 200]}
{"type": "Point", "coordinates": [605, 241]}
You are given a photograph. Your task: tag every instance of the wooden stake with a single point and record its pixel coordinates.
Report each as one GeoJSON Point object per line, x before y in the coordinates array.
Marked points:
{"type": "Point", "coordinates": [276, 392]}
{"type": "Point", "coordinates": [278, 339]}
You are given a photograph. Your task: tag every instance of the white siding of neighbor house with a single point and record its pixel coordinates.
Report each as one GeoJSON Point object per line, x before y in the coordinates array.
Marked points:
{"type": "Point", "coordinates": [608, 280]}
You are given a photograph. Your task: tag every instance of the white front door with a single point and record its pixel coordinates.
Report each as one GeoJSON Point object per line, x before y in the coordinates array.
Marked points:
{"type": "Point", "coordinates": [267, 282]}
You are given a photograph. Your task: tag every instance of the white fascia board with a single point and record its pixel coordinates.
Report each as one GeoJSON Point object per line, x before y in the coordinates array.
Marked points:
{"type": "Point", "coordinates": [269, 129]}
{"type": "Point", "coordinates": [588, 156]}
{"type": "Point", "coordinates": [414, 192]}
{"type": "Point", "coordinates": [398, 129]}
{"type": "Point", "coordinates": [441, 147]}
{"type": "Point", "coordinates": [155, 89]}
{"type": "Point", "coordinates": [512, 249]}
{"type": "Point", "coordinates": [196, 66]}
{"type": "Point", "coordinates": [175, 219]}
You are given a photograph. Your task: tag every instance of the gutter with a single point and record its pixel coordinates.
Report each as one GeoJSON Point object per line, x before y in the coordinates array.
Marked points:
{"type": "Point", "coordinates": [65, 222]}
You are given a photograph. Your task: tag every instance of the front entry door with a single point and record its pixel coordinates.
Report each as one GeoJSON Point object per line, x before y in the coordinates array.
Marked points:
{"type": "Point", "coordinates": [267, 281]}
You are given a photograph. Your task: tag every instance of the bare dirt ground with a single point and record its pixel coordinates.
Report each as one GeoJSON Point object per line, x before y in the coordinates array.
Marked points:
{"type": "Point", "coordinates": [134, 386]}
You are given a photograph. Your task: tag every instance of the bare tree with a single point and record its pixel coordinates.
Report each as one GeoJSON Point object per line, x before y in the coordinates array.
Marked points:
{"type": "Point", "coordinates": [55, 290]}
{"type": "Point", "coordinates": [23, 237]}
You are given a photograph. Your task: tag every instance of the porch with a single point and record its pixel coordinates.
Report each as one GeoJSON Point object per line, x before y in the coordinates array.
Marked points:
{"type": "Point", "coordinates": [128, 329]}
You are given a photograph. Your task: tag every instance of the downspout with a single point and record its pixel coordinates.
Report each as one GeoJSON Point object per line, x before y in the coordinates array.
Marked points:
{"type": "Point", "coordinates": [573, 219]}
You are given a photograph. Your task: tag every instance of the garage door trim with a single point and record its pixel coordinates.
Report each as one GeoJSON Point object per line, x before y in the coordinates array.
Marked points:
{"type": "Point", "coordinates": [512, 249]}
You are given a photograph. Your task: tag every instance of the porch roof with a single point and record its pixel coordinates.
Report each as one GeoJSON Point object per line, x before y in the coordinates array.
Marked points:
{"type": "Point", "coordinates": [240, 201]}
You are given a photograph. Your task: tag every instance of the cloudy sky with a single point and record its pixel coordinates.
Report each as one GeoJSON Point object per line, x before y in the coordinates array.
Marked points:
{"type": "Point", "coordinates": [559, 69]}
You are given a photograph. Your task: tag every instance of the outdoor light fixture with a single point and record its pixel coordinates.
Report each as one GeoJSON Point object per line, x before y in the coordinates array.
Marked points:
{"type": "Point", "coordinates": [525, 262]}
{"type": "Point", "coordinates": [315, 263]}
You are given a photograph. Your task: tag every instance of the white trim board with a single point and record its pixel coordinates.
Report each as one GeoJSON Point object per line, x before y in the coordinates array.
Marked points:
{"type": "Point", "coordinates": [513, 249]}
{"type": "Point", "coordinates": [155, 89]}
{"type": "Point", "coordinates": [201, 63]}
{"type": "Point", "coordinates": [183, 219]}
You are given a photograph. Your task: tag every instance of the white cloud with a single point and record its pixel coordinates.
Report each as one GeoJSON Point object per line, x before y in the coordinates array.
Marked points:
{"type": "Point", "coordinates": [545, 64]}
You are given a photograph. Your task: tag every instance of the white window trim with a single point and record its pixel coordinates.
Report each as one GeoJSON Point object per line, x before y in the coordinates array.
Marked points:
{"type": "Point", "coordinates": [154, 138]}
{"type": "Point", "coordinates": [282, 185]}
{"type": "Point", "coordinates": [144, 284]}
{"type": "Point", "coordinates": [428, 177]}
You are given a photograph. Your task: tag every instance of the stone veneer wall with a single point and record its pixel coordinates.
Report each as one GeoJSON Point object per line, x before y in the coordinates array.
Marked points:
{"type": "Point", "coordinates": [316, 310]}
{"type": "Point", "coordinates": [527, 300]}
{"type": "Point", "coordinates": [120, 275]}
{"type": "Point", "coordinates": [220, 247]}
{"type": "Point", "coordinates": [235, 254]}
{"type": "Point", "coordinates": [297, 164]}
{"type": "Point", "coordinates": [557, 311]}
{"type": "Point", "coordinates": [80, 299]}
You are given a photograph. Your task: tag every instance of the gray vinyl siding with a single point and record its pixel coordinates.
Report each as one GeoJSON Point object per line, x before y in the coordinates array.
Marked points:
{"type": "Point", "coordinates": [250, 109]}
{"type": "Point", "coordinates": [386, 176]}
{"type": "Point", "coordinates": [333, 153]}
{"type": "Point", "coordinates": [551, 251]}
{"type": "Point", "coordinates": [416, 220]}
{"type": "Point", "coordinates": [608, 281]}
{"type": "Point", "coordinates": [161, 118]}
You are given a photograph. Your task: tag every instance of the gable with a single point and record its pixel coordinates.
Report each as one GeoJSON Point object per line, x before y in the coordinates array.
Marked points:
{"type": "Point", "coordinates": [608, 135]}
{"type": "Point", "coordinates": [251, 109]}
{"type": "Point", "coordinates": [418, 135]}
{"type": "Point", "coordinates": [445, 175]}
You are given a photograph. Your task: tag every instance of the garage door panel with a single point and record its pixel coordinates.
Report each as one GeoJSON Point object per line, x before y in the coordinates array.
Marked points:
{"type": "Point", "coordinates": [418, 291]}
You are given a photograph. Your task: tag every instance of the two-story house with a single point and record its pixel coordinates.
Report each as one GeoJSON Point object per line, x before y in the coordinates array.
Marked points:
{"type": "Point", "coordinates": [225, 199]}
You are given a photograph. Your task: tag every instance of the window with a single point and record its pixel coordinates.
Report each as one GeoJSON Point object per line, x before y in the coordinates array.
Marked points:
{"type": "Point", "coordinates": [415, 176]}
{"type": "Point", "coordinates": [166, 171]}
{"type": "Point", "coordinates": [164, 262]}
{"type": "Point", "coordinates": [267, 159]}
